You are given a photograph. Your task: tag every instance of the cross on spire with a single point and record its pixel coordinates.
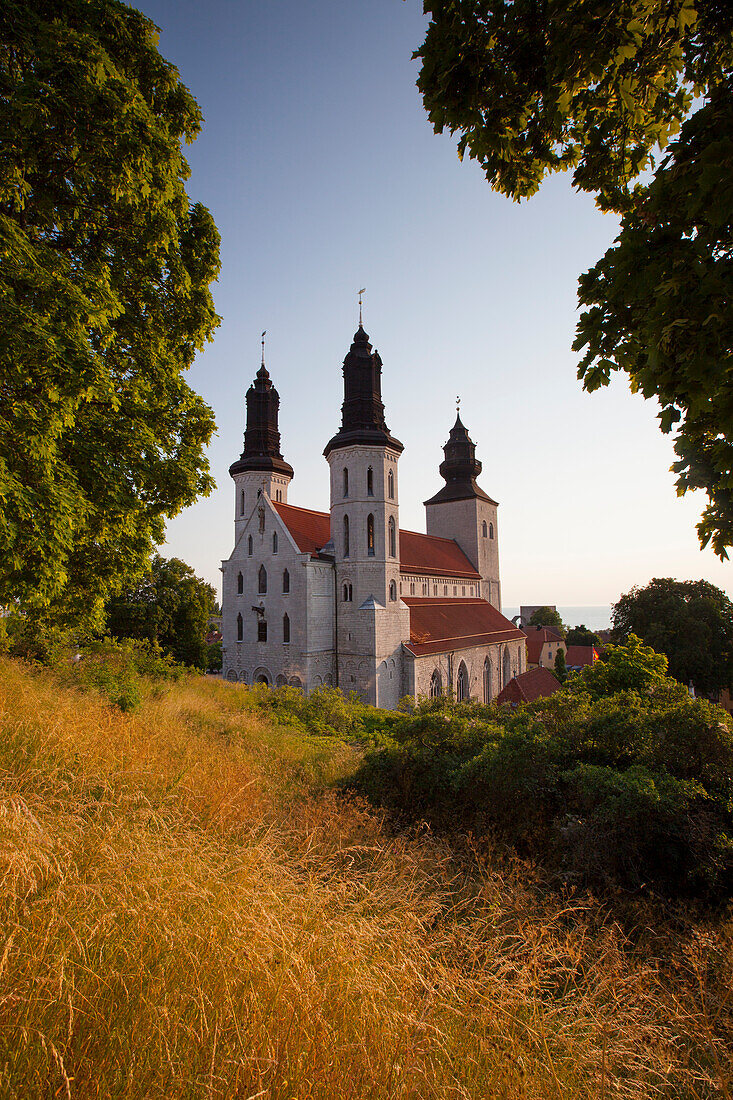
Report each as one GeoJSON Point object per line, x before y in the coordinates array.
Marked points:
{"type": "Point", "coordinates": [263, 347]}
{"type": "Point", "coordinates": [360, 303]}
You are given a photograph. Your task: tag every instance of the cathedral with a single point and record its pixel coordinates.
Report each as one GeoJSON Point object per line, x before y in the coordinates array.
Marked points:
{"type": "Point", "coordinates": [347, 597]}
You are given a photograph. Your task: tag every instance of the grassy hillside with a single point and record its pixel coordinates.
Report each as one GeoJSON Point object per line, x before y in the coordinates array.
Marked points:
{"type": "Point", "coordinates": [187, 909]}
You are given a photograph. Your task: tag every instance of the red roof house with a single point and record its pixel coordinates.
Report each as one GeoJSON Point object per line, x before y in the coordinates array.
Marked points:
{"type": "Point", "coordinates": [542, 645]}
{"type": "Point", "coordinates": [578, 656]}
{"type": "Point", "coordinates": [531, 685]}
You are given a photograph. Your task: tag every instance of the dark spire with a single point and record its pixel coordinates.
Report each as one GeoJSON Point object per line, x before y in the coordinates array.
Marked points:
{"type": "Point", "coordinates": [262, 438]}
{"type": "Point", "coordinates": [460, 468]}
{"type": "Point", "coordinates": [362, 413]}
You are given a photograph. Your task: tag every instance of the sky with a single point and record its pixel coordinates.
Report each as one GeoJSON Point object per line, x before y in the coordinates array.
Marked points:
{"type": "Point", "coordinates": [323, 174]}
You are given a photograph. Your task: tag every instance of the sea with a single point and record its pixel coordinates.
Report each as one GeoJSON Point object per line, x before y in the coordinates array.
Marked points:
{"type": "Point", "coordinates": [594, 617]}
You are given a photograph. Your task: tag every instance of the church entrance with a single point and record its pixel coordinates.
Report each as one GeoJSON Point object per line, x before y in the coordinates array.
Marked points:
{"type": "Point", "coordinates": [262, 679]}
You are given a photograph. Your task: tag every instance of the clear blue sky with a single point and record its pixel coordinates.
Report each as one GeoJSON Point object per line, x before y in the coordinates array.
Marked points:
{"type": "Point", "coordinates": [323, 175]}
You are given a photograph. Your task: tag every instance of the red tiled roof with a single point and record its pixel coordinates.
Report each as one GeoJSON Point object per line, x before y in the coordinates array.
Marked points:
{"type": "Point", "coordinates": [311, 530]}
{"type": "Point", "coordinates": [440, 624]}
{"type": "Point", "coordinates": [426, 554]}
{"type": "Point", "coordinates": [534, 684]}
{"type": "Point", "coordinates": [433, 555]}
{"type": "Point", "coordinates": [536, 638]}
{"type": "Point", "coordinates": [579, 655]}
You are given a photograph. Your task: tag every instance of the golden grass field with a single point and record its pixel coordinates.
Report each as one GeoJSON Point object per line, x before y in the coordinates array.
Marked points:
{"type": "Point", "coordinates": [189, 910]}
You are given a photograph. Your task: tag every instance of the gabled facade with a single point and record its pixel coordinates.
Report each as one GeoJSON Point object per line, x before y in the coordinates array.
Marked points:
{"type": "Point", "coordinates": [346, 597]}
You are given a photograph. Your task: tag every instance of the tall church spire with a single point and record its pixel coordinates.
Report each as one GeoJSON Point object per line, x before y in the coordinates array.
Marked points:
{"type": "Point", "coordinates": [262, 437]}
{"type": "Point", "coordinates": [362, 413]}
{"type": "Point", "coordinates": [460, 467]}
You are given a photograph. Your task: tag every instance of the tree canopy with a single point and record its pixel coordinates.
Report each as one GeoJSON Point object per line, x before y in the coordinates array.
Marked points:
{"type": "Point", "coordinates": [170, 605]}
{"type": "Point", "coordinates": [691, 622]}
{"type": "Point", "coordinates": [600, 88]}
{"type": "Point", "coordinates": [547, 616]}
{"type": "Point", "coordinates": [105, 268]}
{"type": "Point", "coordinates": [581, 635]}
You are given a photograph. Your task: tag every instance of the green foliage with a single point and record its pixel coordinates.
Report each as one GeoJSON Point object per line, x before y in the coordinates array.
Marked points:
{"type": "Point", "coordinates": [560, 667]}
{"type": "Point", "coordinates": [548, 616]}
{"type": "Point", "coordinates": [629, 667]}
{"type": "Point", "coordinates": [597, 88]}
{"type": "Point", "coordinates": [169, 606]}
{"type": "Point", "coordinates": [621, 778]}
{"type": "Point", "coordinates": [691, 622]}
{"type": "Point", "coordinates": [214, 657]}
{"type": "Point", "coordinates": [104, 274]}
{"type": "Point", "coordinates": [124, 672]}
{"type": "Point", "coordinates": [581, 635]}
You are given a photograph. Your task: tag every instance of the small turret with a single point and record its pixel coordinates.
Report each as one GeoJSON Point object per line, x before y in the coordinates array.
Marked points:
{"type": "Point", "coordinates": [362, 413]}
{"type": "Point", "coordinates": [460, 468]}
{"type": "Point", "coordinates": [262, 437]}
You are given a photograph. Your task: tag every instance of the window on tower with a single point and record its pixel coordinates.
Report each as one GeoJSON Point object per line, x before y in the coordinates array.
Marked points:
{"type": "Point", "coordinates": [241, 503]}
{"type": "Point", "coordinates": [346, 481]}
{"type": "Point", "coordinates": [370, 482]}
{"type": "Point", "coordinates": [390, 485]}
{"type": "Point", "coordinates": [346, 536]}
{"type": "Point", "coordinates": [240, 584]}
{"type": "Point", "coordinates": [392, 538]}
{"type": "Point", "coordinates": [392, 591]}
{"type": "Point", "coordinates": [484, 531]}
{"type": "Point", "coordinates": [491, 530]}
{"type": "Point", "coordinates": [286, 630]}
{"type": "Point", "coordinates": [249, 546]}
{"type": "Point", "coordinates": [348, 593]}
{"type": "Point", "coordinates": [240, 628]}
{"type": "Point", "coordinates": [370, 535]}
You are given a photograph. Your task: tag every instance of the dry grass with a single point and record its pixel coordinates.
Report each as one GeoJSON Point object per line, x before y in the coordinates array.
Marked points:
{"type": "Point", "coordinates": [187, 910]}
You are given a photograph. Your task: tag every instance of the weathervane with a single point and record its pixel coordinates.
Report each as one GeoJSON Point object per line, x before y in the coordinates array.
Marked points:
{"type": "Point", "coordinates": [458, 406]}
{"type": "Point", "coordinates": [360, 294]}
{"type": "Point", "coordinates": [263, 347]}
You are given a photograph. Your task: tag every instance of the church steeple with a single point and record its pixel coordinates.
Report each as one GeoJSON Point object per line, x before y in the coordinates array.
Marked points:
{"type": "Point", "coordinates": [262, 437]}
{"type": "Point", "coordinates": [460, 468]}
{"type": "Point", "coordinates": [362, 413]}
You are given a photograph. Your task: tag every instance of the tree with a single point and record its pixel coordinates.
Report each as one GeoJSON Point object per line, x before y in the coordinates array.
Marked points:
{"type": "Point", "coordinates": [629, 667]}
{"type": "Point", "coordinates": [691, 622]}
{"type": "Point", "coordinates": [561, 671]}
{"type": "Point", "coordinates": [547, 616]}
{"type": "Point", "coordinates": [170, 606]}
{"type": "Point", "coordinates": [581, 635]}
{"type": "Point", "coordinates": [597, 88]}
{"type": "Point", "coordinates": [105, 269]}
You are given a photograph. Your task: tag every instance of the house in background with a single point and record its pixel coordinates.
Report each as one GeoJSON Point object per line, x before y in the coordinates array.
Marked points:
{"type": "Point", "coordinates": [578, 656]}
{"type": "Point", "coordinates": [530, 685]}
{"type": "Point", "coordinates": [543, 643]}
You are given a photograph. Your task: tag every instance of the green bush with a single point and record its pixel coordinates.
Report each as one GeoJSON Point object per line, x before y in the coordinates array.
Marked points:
{"type": "Point", "coordinates": [619, 779]}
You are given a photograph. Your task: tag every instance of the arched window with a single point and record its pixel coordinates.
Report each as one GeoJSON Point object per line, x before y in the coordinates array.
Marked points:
{"type": "Point", "coordinates": [484, 529]}
{"type": "Point", "coordinates": [462, 693]}
{"type": "Point", "coordinates": [241, 503]}
{"type": "Point", "coordinates": [286, 581]}
{"type": "Point", "coordinates": [274, 542]}
{"type": "Point", "coordinates": [507, 667]}
{"type": "Point", "coordinates": [487, 680]}
{"type": "Point", "coordinates": [348, 593]}
{"type": "Point", "coordinates": [392, 590]}
{"type": "Point", "coordinates": [249, 546]}
{"type": "Point", "coordinates": [240, 628]}
{"type": "Point", "coordinates": [370, 482]}
{"type": "Point", "coordinates": [261, 515]}
{"type": "Point", "coordinates": [491, 530]}
{"type": "Point", "coordinates": [390, 485]}
{"type": "Point", "coordinates": [392, 538]}
{"type": "Point", "coordinates": [370, 535]}
{"type": "Point", "coordinates": [436, 687]}
{"type": "Point", "coordinates": [240, 584]}
{"type": "Point", "coordinates": [346, 536]}
{"type": "Point", "coordinates": [346, 481]}
{"type": "Point", "coordinates": [286, 630]}
{"type": "Point", "coordinates": [262, 630]}
{"type": "Point", "coordinates": [262, 581]}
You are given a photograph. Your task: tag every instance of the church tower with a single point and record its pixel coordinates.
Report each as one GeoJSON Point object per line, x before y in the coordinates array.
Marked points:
{"type": "Point", "coordinates": [461, 510]}
{"type": "Point", "coordinates": [371, 619]}
{"type": "Point", "coordinates": [261, 467]}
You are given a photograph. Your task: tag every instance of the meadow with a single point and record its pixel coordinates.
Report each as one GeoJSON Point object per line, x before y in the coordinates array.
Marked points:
{"type": "Point", "coordinates": [191, 906]}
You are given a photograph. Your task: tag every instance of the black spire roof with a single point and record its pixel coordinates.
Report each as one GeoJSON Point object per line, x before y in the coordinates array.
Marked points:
{"type": "Point", "coordinates": [262, 438]}
{"type": "Point", "coordinates": [362, 413]}
{"type": "Point", "coordinates": [460, 468]}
